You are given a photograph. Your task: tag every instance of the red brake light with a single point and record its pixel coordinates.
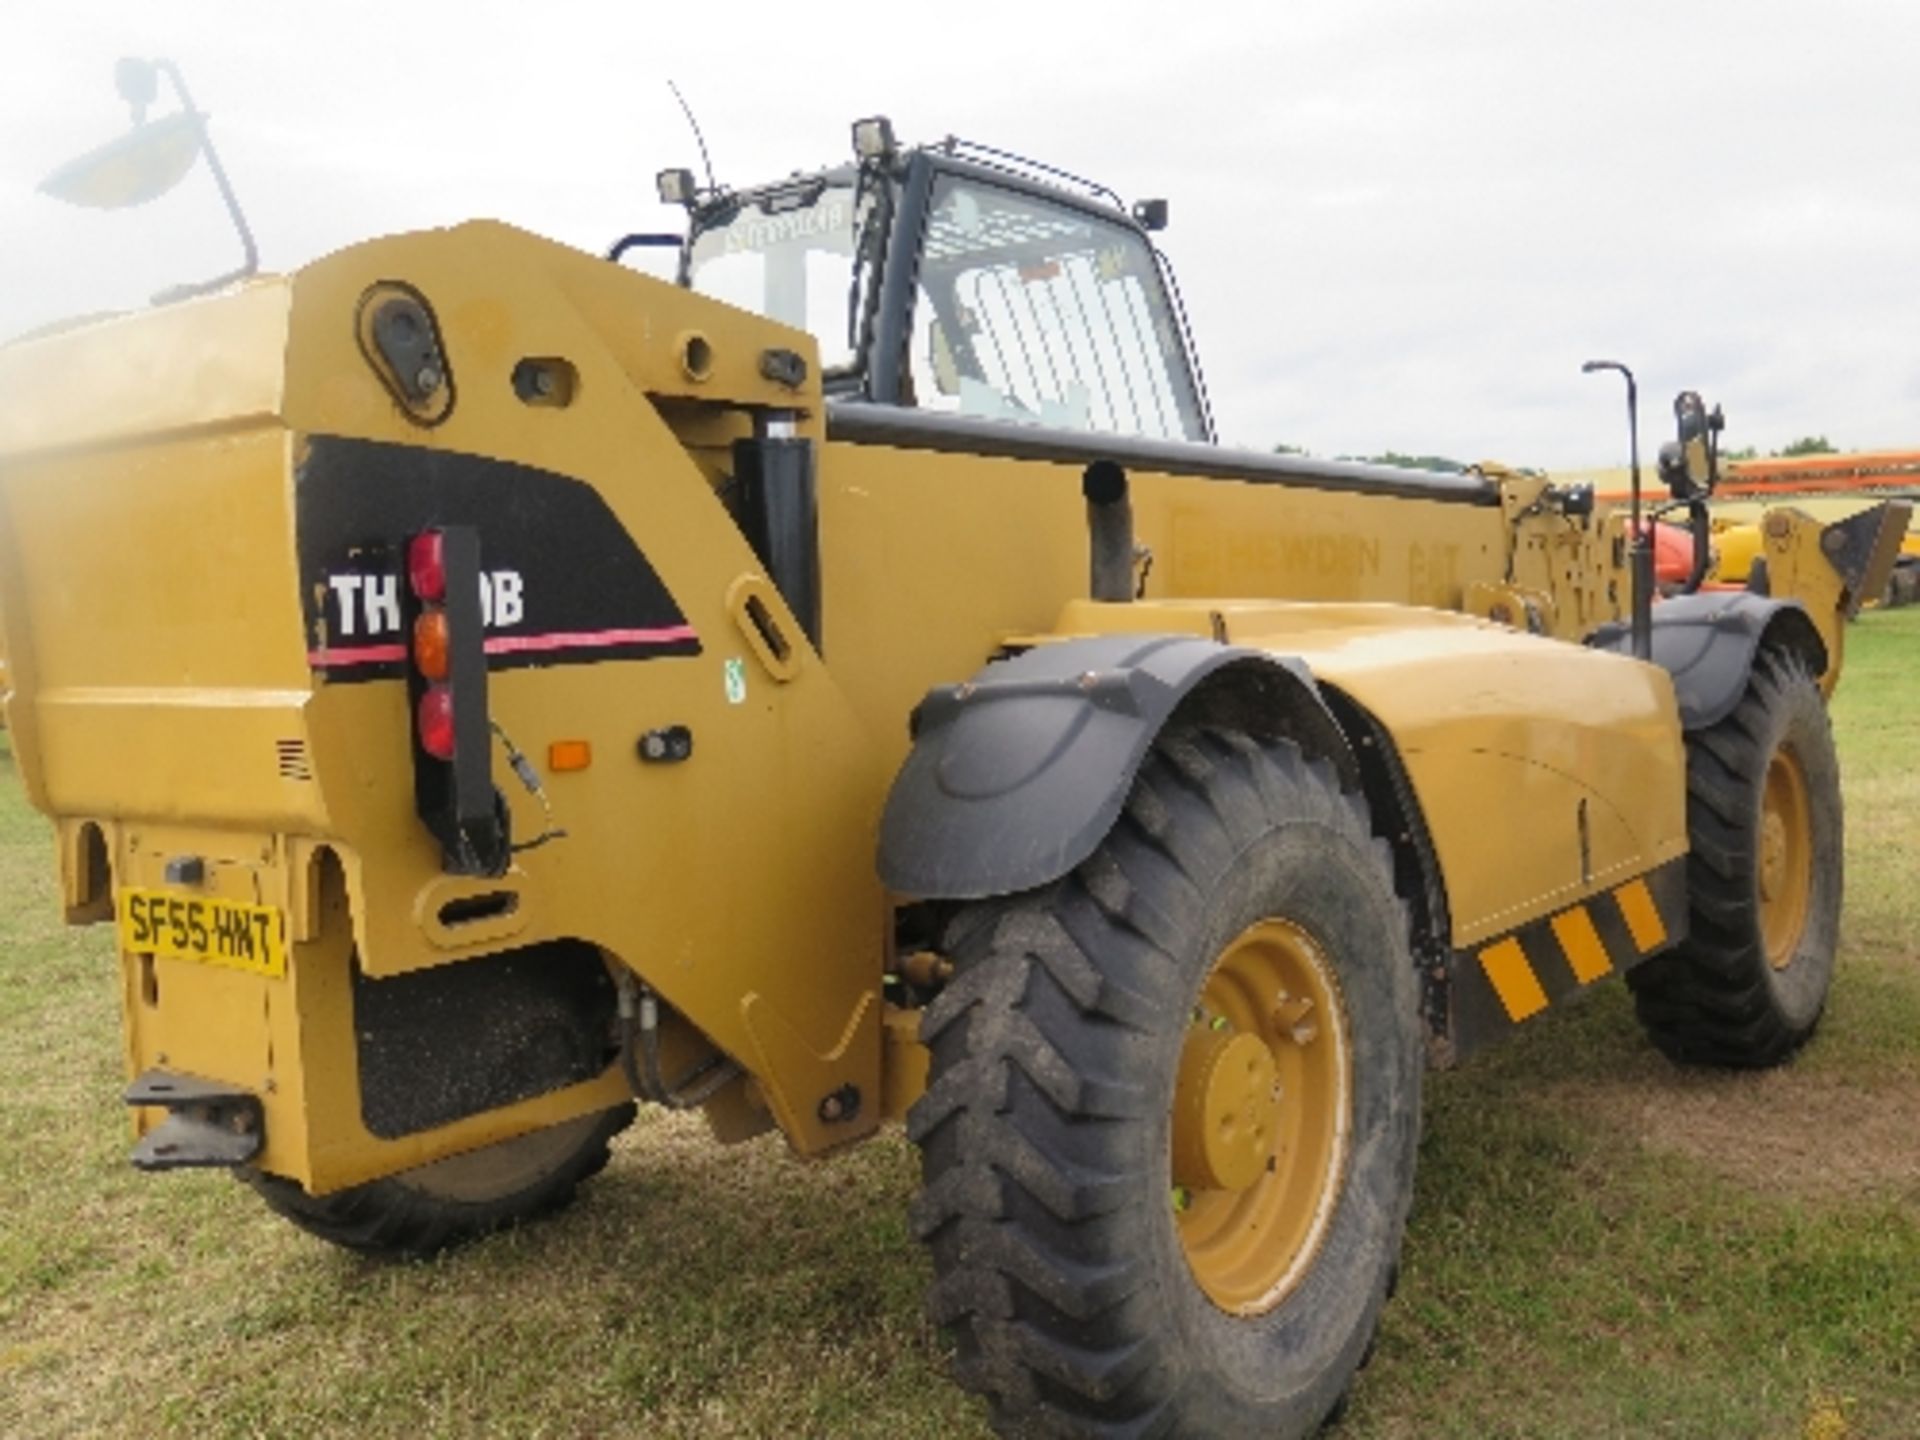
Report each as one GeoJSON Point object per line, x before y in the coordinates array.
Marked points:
{"type": "Point", "coordinates": [427, 566]}
{"type": "Point", "coordinates": [436, 722]}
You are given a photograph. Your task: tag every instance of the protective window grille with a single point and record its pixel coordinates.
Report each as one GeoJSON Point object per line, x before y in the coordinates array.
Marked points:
{"type": "Point", "coordinates": [1030, 311]}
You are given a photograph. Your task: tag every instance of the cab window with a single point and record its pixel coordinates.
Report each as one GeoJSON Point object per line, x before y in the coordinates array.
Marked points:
{"type": "Point", "coordinates": [788, 255]}
{"type": "Point", "coordinates": [1045, 313]}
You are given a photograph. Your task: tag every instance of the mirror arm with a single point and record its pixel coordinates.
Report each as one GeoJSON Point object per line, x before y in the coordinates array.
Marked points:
{"type": "Point", "coordinates": [251, 264]}
{"type": "Point", "coordinates": [1700, 525]}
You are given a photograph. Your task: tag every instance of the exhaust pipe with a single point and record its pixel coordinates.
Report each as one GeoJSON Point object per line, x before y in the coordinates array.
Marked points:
{"type": "Point", "coordinates": [1109, 532]}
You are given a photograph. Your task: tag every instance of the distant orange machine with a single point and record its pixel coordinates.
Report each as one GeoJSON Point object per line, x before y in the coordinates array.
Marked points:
{"type": "Point", "coordinates": [1867, 471]}
{"type": "Point", "coordinates": [1864, 473]}
{"type": "Point", "coordinates": [1833, 486]}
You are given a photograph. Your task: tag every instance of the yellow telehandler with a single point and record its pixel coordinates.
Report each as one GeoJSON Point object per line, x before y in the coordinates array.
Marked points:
{"type": "Point", "coordinates": [488, 688]}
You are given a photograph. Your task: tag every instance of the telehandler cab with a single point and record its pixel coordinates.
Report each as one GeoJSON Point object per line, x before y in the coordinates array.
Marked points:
{"type": "Point", "coordinates": [487, 687]}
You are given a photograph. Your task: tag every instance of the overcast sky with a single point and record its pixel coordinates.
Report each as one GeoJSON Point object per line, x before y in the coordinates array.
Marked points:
{"type": "Point", "coordinates": [1399, 225]}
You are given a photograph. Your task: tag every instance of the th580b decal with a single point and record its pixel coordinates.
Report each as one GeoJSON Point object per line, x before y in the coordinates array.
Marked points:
{"type": "Point", "coordinates": [368, 606]}
{"type": "Point", "coordinates": [561, 580]}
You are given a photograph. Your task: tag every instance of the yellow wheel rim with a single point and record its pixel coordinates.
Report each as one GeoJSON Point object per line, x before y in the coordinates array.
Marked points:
{"type": "Point", "coordinates": [1786, 857]}
{"type": "Point", "coordinates": [1261, 1115]}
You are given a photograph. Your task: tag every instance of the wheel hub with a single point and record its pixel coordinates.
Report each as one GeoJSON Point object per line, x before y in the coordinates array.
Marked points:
{"type": "Point", "coordinates": [1785, 858]}
{"type": "Point", "coordinates": [1225, 1110]}
{"type": "Point", "coordinates": [1773, 856]}
{"type": "Point", "coordinates": [1260, 1117]}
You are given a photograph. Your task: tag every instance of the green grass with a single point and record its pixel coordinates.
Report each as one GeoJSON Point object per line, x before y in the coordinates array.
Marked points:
{"type": "Point", "coordinates": [1602, 1245]}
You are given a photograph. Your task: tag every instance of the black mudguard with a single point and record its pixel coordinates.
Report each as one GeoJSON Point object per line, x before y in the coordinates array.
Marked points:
{"type": "Point", "coordinates": [1707, 642]}
{"type": "Point", "coordinates": [1016, 776]}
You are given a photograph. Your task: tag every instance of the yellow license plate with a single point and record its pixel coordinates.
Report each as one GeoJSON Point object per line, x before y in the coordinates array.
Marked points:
{"type": "Point", "coordinates": [202, 928]}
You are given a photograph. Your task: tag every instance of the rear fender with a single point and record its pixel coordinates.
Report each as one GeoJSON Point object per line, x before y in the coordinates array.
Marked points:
{"type": "Point", "coordinates": [1017, 775]}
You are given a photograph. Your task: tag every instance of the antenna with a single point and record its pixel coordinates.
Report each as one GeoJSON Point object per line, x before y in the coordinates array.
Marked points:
{"type": "Point", "coordinates": [698, 138]}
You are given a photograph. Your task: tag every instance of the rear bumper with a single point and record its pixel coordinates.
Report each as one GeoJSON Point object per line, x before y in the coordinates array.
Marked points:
{"type": "Point", "coordinates": [277, 1061]}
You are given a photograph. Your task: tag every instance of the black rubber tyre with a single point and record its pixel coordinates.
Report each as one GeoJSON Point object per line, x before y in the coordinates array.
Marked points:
{"type": "Point", "coordinates": [1726, 995]}
{"type": "Point", "coordinates": [418, 1213]}
{"type": "Point", "coordinates": [1045, 1129]}
{"type": "Point", "coordinates": [1903, 585]}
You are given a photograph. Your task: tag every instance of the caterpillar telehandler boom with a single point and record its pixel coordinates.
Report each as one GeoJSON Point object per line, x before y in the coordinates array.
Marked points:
{"type": "Point", "coordinates": [486, 687]}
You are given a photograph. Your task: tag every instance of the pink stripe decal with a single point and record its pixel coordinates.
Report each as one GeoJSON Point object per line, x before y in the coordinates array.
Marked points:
{"type": "Point", "coordinates": [335, 657]}
{"type": "Point", "coordinates": [589, 639]}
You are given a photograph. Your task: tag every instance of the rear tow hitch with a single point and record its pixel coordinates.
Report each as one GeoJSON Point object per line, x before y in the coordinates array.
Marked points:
{"type": "Point", "coordinates": [207, 1123]}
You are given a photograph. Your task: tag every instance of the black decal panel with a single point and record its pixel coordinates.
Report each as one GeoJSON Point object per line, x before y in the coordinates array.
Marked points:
{"type": "Point", "coordinates": [562, 582]}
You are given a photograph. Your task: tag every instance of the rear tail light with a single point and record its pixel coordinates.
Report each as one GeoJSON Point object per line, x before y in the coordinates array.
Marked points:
{"type": "Point", "coordinates": [430, 641]}
{"type": "Point", "coordinates": [427, 566]}
{"type": "Point", "coordinates": [435, 718]}
{"type": "Point", "coordinates": [432, 648]}
{"type": "Point", "coordinates": [447, 680]}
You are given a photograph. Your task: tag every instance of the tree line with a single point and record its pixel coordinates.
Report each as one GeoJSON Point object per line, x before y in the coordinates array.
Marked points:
{"type": "Point", "coordinates": [1805, 445]}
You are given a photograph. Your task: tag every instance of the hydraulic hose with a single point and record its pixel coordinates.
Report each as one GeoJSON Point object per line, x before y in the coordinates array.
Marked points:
{"type": "Point", "coordinates": [640, 1023]}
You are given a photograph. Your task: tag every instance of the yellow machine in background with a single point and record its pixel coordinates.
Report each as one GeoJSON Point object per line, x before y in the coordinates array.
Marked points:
{"type": "Point", "coordinates": [1826, 489]}
{"type": "Point", "coordinates": [1740, 541]}
{"type": "Point", "coordinates": [487, 687]}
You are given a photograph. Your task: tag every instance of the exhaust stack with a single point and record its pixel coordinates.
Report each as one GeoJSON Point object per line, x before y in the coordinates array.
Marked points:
{"type": "Point", "coordinates": [1109, 532]}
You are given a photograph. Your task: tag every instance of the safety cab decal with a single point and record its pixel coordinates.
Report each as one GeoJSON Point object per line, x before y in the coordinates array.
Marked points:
{"type": "Point", "coordinates": [561, 580]}
{"type": "Point", "coordinates": [1499, 984]}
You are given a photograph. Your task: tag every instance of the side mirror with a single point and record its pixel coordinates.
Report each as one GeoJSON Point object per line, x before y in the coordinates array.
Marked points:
{"type": "Point", "coordinates": [139, 166]}
{"type": "Point", "coordinates": [149, 160]}
{"type": "Point", "coordinates": [1673, 470]}
{"type": "Point", "coordinates": [1695, 469]}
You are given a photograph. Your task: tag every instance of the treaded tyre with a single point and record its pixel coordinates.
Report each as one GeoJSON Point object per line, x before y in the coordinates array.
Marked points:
{"type": "Point", "coordinates": [419, 1213]}
{"type": "Point", "coordinates": [1765, 826]}
{"type": "Point", "coordinates": [1169, 1135]}
{"type": "Point", "coordinates": [1903, 585]}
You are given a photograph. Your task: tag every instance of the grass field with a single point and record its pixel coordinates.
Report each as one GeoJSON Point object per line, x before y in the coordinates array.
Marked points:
{"type": "Point", "coordinates": [1602, 1245]}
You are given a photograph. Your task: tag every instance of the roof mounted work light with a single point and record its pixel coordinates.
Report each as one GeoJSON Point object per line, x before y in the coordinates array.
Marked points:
{"type": "Point", "coordinates": [873, 138]}
{"type": "Point", "coordinates": [676, 187]}
{"type": "Point", "coordinates": [1150, 214]}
